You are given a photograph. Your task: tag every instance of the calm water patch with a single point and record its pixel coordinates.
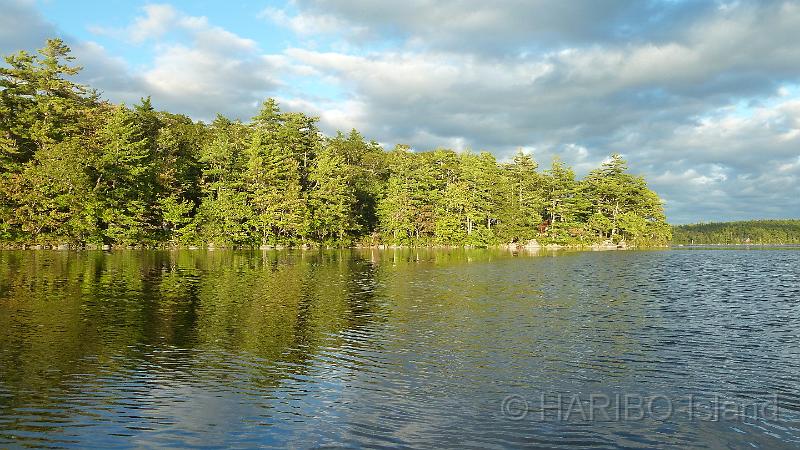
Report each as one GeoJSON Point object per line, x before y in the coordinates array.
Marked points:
{"type": "Point", "coordinates": [461, 348]}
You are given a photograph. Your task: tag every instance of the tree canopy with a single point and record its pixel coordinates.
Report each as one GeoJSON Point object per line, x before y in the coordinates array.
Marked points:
{"type": "Point", "coordinates": [78, 170]}
{"type": "Point", "coordinates": [742, 232]}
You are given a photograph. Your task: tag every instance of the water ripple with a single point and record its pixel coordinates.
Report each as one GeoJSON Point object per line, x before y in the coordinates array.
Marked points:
{"type": "Point", "coordinates": [396, 349]}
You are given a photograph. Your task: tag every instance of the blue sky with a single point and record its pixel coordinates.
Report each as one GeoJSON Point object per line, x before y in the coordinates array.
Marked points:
{"type": "Point", "coordinates": [80, 18]}
{"type": "Point", "coordinates": [701, 97]}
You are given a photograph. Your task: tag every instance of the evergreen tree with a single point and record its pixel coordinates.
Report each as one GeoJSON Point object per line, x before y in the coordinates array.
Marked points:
{"type": "Point", "coordinates": [525, 200]}
{"type": "Point", "coordinates": [560, 189]}
{"type": "Point", "coordinates": [485, 191]}
{"type": "Point", "coordinates": [623, 206]}
{"type": "Point", "coordinates": [742, 232]}
{"type": "Point", "coordinates": [332, 198]}
{"type": "Point", "coordinates": [179, 173]}
{"type": "Point", "coordinates": [407, 212]}
{"type": "Point", "coordinates": [225, 215]}
{"type": "Point", "coordinates": [126, 177]}
{"type": "Point", "coordinates": [41, 111]}
{"type": "Point", "coordinates": [51, 196]}
{"type": "Point", "coordinates": [276, 171]}
{"type": "Point", "coordinates": [453, 200]}
{"type": "Point", "coordinates": [367, 161]}
{"type": "Point", "coordinates": [77, 170]}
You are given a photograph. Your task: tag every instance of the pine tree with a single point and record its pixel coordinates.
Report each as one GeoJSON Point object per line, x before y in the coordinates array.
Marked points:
{"type": "Point", "coordinates": [51, 195]}
{"type": "Point", "coordinates": [525, 200]}
{"type": "Point", "coordinates": [407, 210]}
{"type": "Point", "coordinates": [485, 190]}
{"type": "Point", "coordinates": [332, 198]}
{"type": "Point", "coordinates": [126, 177]}
{"type": "Point", "coordinates": [275, 175]}
{"type": "Point", "coordinates": [564, 206]}
{"type": "Point", "coordinates": [623, 207]}
{"type": "Point", "coordinates": [179, 171]}
{"type": "Point", "coordinates": [452, 202]}
{"type": "Point", "coordinates": [42, 113]}
{"type": "Point", "coordinates": [367, 161]}
{"type": "Point", "coordinates": [225, 216]}
{"type": "Point", "coordinates": [77, 170]}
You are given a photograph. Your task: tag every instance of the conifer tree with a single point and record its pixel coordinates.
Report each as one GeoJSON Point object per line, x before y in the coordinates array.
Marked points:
{"type": "Point", "coordinates": [126, 183]}
{"type": "Point", "coordinates": [332, 198]}
{"type": "Point", "coordinates": [406, 211]}
{"type": "Point", "coordinates": [77, 170]}
{"type": "Point", "coordinates": [225, 215]}
{"type": "Point", "coordinates": [525, 200]}
{"type": "Point", "coordinates": [274, 176]}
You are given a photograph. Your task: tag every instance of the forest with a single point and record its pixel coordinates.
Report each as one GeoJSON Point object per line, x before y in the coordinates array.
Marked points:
{"type": "Point", "coordinates": [743, 232]}
{"type": "Point", "coordinates": [77, 170]}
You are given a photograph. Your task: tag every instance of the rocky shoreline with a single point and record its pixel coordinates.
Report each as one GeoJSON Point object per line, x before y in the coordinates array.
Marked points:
{"type": "Point", "coordinates": [532, 245]}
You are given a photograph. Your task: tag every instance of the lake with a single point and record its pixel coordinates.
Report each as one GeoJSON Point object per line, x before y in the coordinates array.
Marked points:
{"type": "Point", "coordinates": [682, 348]}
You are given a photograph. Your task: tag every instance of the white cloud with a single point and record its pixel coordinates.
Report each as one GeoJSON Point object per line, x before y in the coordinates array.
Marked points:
{"type": "Point", "coordinates": [500, 27]}
{"type": "Point", "coordinates": [155, 23]}
{"type": "Point", "coordinates": [311, 24]}
{"type": "Point", "coordinates": [203, 69]}
{"type": "Point", "coordinates": [700, 98]}
{"type": "Point", "coordinates": [670, 103]}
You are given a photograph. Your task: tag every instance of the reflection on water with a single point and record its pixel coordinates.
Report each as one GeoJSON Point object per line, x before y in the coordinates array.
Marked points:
{"type": "Point", "coordinates": [391, 348]}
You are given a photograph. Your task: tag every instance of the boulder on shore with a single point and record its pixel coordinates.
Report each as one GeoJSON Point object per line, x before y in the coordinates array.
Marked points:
{"type": "Point", "coordinates": [605, 245]}
{"type": "Point", "coordinates": [533, 244]}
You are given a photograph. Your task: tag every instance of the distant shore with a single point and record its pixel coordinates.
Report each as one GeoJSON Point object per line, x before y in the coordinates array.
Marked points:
{"type": "Point", "coordinates": [741, 233]}
{"type": "Point", "coordinates": [752, 244]}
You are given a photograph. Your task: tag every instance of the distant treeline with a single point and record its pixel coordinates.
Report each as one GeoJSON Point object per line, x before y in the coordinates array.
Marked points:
{"type": "Point", "coordinates": [744, 232]}
{"type": "Point", "coordinates": [77, 170]}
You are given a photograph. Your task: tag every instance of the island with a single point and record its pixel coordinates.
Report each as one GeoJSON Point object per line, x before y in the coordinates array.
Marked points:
{"type": "Point", "coordinates": [77, 171]}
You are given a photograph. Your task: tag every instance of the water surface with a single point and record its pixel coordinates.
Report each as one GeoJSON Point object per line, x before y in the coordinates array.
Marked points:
{"type": "Point", "coordinates": [438, 348]}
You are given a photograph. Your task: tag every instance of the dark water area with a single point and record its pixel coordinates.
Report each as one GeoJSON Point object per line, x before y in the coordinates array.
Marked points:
{"type": "Point", "coordinates": [405, 348]}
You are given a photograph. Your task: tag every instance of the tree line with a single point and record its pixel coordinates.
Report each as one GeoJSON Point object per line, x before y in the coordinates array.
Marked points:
{"type": "Point", "coordinates": [78, 170]}
{"type": "Point", "coordinates": [742, 232]}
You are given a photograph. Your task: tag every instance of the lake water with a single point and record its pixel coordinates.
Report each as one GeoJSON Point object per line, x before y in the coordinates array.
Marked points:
{"type": "Point", "coordinates": [435, 348]}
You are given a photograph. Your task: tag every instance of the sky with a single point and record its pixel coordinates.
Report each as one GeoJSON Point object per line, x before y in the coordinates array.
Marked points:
{"type": "Point", "coordinates": [700, 97]}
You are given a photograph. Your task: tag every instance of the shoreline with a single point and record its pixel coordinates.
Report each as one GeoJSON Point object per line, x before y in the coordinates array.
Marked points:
{"type": "Point", "coordinates": [510, 247]}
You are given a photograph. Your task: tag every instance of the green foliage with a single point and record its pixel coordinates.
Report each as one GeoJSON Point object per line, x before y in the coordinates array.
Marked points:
{"type": "Point", "coordinates": [224, 216]}
{"type": "Point", "coordinates": [126, 172]}
{"type": "Point", "coordinates": [332, 196]}
{"type": "Point", "coordinates": [525, 203]}
{"type": "Point", "coordinates": [280, 152]}
{"type": "Point", "coordinates": [623, 208]}
{"type": "Point", "coordinates": [406, 212]}
{"type": "Point", "coordinates": [77, 170]}
{"type": "Point", "coordinates": [743, 232]}
{"type": "Point", "coordinates": [560, 193]}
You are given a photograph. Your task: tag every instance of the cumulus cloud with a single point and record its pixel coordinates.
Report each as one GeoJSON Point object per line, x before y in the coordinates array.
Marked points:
{"type": "Point", "coordinates": [312, 24]}
{"type": "Point", "coordinates": [198, 68]}
{"type": "Point", "coordinates": [203, 69]}
{"type": "Point", "coordinates": [688, 98]}
{"type": "Point", "coordinates": [701, 97]}
{"type": "Point", "coordinates": [502, 27]}
{"type": "Point", "coordinates": [732, 163]}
